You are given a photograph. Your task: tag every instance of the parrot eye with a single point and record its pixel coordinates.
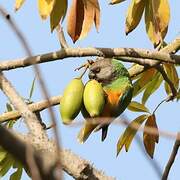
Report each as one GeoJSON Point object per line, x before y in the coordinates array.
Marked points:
{"type": "Point", "coordinates": [97, 70]}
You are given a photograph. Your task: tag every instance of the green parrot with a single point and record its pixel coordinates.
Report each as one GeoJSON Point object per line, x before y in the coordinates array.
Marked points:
{"type": "Point", "coordinates": [118, 89]}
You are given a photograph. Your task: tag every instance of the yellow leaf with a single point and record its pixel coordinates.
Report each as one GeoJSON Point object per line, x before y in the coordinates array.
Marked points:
{"type": "Point", "coordinates": [116, 1]}
{"type": "Point", "coordinates": [18, 4]}
{"type": "Point", "coordinates": [58, 12]}
{"type": "Point", "coordinates": [143, 81]}
{"type": "Point", "coordinates": [128, 135]}
{"type": "Point", "coordinates": [150, 139]}
{"type": "Point", "coordinates": [137, 107]}
{"type": "Point", "coordinates": [152, 87]}
{"type": "Point", "coordinates": [134, 14]}
{"type": "Point", "coordinates": [172, 75]}
{"type": "Point", "coordinates": [91, 15]}
{"type": "Point", "coordinates": [86, 130]}
{"type": "Point", "coordinates": [75, 19]}
{"type": "Point", "coordinates": [157, 15]}
{"type": "Point", "coordinates": [45, 7]}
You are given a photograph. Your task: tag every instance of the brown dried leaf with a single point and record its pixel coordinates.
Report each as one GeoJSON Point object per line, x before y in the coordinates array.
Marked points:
{"type": "Point", "coordinates": [134, 15]}
{"type": "Point", "coordinates": [75, 19]}
{"type": "Point", "coordinates": [157, 15]}
{"type": "Point", "coordinates": [150, 139]}
{"type": "Point", "coordinates": [91, 15]}
{"type": "Point", "coordinates": [81, 17]}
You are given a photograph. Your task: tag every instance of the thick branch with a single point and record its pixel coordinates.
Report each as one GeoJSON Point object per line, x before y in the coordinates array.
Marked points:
{"type": "Point", "coordinates": [71, 163]}
{"type": "Point", "coordinates": [171, 158]}
{"type": "Point", "coordinates": [38, 135]}
{"type": "Point", "coordinates": [30, 119]}
{"type": "Point", "coordinates": [104, 52]}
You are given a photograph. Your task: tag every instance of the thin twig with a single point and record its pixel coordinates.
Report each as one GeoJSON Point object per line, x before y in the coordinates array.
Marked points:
{"type": "Point", "coordinates": [171, 85]}
{"type": "Point", "coordinates": [61, 37]}
{"type": "Point", "coordinates": [34, 107]}
{"type": "Point", "coordinates": [171, 158]}
{"type": "Point", "coordinates": [164, 100]}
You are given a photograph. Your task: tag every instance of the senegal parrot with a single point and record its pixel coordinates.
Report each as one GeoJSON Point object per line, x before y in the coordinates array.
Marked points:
{"type": "Point", "coordinates": [118, 90]}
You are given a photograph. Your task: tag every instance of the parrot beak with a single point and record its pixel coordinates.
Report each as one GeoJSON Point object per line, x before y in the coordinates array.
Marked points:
{"type": "Point", "coordinates": [91, 75]}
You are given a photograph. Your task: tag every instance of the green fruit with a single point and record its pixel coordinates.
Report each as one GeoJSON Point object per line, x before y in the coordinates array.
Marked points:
{"type": "Point", "coordinates": [71, 100]}
{"type": "Point", "coordinates": [93, 97]}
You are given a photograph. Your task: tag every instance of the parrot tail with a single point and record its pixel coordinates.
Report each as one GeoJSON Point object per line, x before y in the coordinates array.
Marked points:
{"type": "Point", "coordinates": [86, 130]}
{"type": "Point", "coordinates": [104, 132]}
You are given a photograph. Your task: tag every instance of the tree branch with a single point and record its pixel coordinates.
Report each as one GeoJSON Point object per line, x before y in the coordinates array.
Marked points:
{"type": "Point", "coordinates": [172, 47]}
{"type": "Point", "coordinates": [153, 56]}
{"type": "Point", "coordinates": [34, 107]}
{"type": "Point", "coordinates": [30, 119]}
{"type": "Point", "coordinates": [171, 158]}
{"type": "Point", "coordinates": [61, 37]}
{"type": "Point", "coordinates": [71, 163]}
{"type": "Point", "coordinates": [37, 134]}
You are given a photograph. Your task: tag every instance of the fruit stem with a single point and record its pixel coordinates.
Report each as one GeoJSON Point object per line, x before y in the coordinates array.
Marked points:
{"type": "Point", "coordinates": [86, 66]}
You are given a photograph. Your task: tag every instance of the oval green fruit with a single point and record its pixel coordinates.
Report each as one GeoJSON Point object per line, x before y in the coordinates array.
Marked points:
{"type": "Point", "coordinates": [71, 100]}
{"type": "Point", "coordinates": [93, 98]}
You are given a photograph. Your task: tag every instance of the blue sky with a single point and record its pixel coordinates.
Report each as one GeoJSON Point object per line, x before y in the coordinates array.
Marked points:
{"type": "Point", "coordinates": [127, 166]}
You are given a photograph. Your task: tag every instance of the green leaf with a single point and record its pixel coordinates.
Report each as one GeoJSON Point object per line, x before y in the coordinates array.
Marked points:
{"type": "Point", "coordinates": [128, 135]}
{"type": "Point", "coordinates": [137, 107]}
{"type": "Point", "coordinates": [17, 174]}
{"type": "Point", "coordinates": [3, 154]}
{"type": "Point", "coordinates": [152, 87]}
{"type": "Point", "coordinates": [10, 123]}
{"type": "Point", "coordinates": [32, 89]}
{"type": "Point", "coordinates": [9, 107]}
{"type": "Point", "coordinates": [6, 165]}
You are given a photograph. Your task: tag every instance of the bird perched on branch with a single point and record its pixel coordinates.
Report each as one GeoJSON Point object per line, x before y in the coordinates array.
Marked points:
{"type": "Point", "coordinates": [118, 89]}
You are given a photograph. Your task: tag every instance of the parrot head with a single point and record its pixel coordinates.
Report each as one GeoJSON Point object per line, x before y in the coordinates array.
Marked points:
{"type": "Point", "coordinates": [107, 70]}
